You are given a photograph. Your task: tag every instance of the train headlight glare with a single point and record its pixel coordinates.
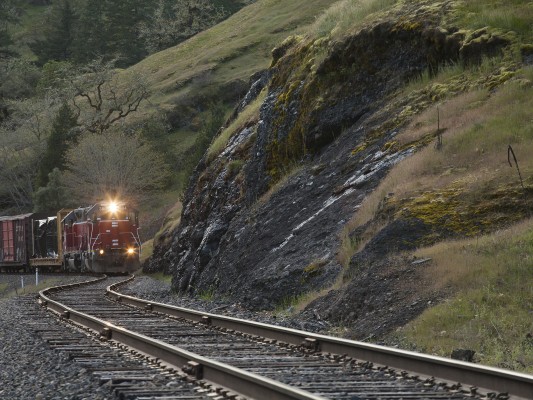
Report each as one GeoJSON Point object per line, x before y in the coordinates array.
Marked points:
{"type": "Point", "coordinates": [113, 207]}
{"type": "Point", "coordinates": [101, 252]}
{"type": "Point", "coordinates": [131, 251]}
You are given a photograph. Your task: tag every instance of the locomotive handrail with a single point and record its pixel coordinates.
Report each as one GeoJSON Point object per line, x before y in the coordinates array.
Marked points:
{"type": "Point", "coordinates": [486, 378]}
{"type": "Point", "coordinates": [95, 239]}
{"type": "Point", "coordinates": [136, 241]}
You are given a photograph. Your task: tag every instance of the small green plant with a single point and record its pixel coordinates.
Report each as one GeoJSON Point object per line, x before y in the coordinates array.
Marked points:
{"type": "Point", "coordinates": [287, 305]}
{"type": "Point", "coordinates": [207, 295]}
{"type": "Point", "coordinates": [234, 166]}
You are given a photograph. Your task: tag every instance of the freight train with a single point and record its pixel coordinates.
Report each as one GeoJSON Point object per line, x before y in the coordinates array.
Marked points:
{"type": "Point", "coordinates": [102, 238]}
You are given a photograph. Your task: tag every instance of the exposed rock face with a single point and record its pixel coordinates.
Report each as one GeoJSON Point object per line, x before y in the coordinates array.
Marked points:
{"type": "Point", "coordinates": [261, 221]}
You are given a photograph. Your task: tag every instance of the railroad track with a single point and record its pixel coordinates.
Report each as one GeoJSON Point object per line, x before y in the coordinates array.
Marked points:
{"type": "Point", "coordinates": [237, 357]}
{"type": "Point", "coordinates": [115, 370]}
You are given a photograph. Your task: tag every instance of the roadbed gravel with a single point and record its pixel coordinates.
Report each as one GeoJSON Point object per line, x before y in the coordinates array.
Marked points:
{"type": "Point", "coordinates": [29, 368]}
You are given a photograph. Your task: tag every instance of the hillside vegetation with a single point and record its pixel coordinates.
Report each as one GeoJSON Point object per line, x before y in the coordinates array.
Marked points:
{"type": "Point", "coordinates": [216, 65]}
{"type": "Point", "coordinates": [372, 177]}
{"type": "Point", "coordinates": [186, 92]}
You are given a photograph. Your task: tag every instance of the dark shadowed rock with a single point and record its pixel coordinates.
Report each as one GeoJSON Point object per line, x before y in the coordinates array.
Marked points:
{"type": "Point", "coordinates": [463, 355]}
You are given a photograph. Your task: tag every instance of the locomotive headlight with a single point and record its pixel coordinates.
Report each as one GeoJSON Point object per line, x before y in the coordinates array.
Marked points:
{"type": "Point", "coordinates": [131, 251]}
{"type": "Point", "coordinates": [112, 207]}
{"type": "Point", "coordinates": [101, 252]}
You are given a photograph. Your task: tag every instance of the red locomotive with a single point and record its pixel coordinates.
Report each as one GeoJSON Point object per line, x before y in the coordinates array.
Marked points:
{"type": "Point", "coordinates": [100, 238]}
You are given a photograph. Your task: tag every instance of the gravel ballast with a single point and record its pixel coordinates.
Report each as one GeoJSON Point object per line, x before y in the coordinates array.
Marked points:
{"type": "Point", "coordinates": [29, 368]}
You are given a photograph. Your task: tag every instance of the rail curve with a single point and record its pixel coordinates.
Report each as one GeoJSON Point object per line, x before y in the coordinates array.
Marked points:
{"type": "Point", "coordinates": [400, 374]}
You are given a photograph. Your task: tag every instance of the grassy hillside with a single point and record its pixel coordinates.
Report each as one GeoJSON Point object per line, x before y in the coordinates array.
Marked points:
{"type": "Point", "coordinates": [490, 311]}
{"type": "Point", "coordinates": [468, 186]}
{"type": "Point", "coordinates": [231, 51]}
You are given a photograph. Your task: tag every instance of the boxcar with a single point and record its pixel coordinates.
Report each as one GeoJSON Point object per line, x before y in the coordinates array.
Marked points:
{"type": "Point", "coordinates": [15, 242]}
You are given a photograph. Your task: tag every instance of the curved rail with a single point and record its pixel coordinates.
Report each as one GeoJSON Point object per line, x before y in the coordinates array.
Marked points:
{"type": "Point", "coordinates": [237, 380]}
{"type": "Point", "coordinates": [487, 379]}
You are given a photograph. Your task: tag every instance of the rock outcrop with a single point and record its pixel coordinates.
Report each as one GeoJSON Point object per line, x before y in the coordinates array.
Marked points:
{"type": "Point", "coordinates": [261, 220]}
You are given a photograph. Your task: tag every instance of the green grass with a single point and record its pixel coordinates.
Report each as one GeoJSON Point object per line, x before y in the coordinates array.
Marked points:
{"type": "Point", "coordinates": [491, 311]}
{"type": "Point", "coordinates": [231, 50]}
{"type": "Point", "coordinates": [207, 295]}
{"type": "Point", "coordinates": [345, 16]}
{"type": "Point", "coordinates": [512, 15]}
{"type": "Point", "coordinates": [29, 286]}
{"type": "Point", "coordinates": [445, 73]}
{"type": "Point", "coordinates": [508, 121]}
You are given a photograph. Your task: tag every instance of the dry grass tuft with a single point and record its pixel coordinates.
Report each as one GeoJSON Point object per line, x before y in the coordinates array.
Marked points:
{"type": "Point", "coordinates": [289, 173]}
{"type": "Point", "coordinates": [345, 16]}
{"type": "Point", "coordinates": [147, 250]}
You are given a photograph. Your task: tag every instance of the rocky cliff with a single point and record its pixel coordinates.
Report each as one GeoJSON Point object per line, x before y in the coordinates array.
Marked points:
{"type": "Point", "coordinates": [263, 217]}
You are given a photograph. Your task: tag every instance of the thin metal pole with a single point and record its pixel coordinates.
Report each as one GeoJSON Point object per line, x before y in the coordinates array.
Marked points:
{"type": "Point", "coordinates": [36, 276]}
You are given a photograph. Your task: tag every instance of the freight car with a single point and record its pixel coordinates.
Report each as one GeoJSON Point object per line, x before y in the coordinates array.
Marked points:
{"type": "Point", "coordinates": [15, 242]}
{"type": "Point", "coordinates": [100, 238]}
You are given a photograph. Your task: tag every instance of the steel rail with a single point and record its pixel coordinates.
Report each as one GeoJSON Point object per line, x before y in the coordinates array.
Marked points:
{"type": "Point", "coordinates": [488, 379]}
{"type": "Point", "coordinates": [245, 383]}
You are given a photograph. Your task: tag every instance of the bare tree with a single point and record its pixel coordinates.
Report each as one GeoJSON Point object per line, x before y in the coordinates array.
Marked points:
{"type": "Point", "coordinates": [113, 162]}
{"type": "Point", "coordinates": [102, 99]}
